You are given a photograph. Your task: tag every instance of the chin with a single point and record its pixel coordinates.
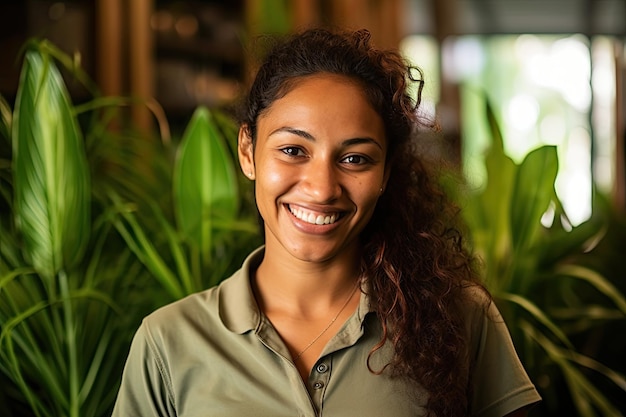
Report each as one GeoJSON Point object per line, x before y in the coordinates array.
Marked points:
{"type": "Point", "coordinates": [321, 253]}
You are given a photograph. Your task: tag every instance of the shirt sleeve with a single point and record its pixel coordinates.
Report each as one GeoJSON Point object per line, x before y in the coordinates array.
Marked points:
{"type": "Point", "coordinates": [500, 384]}
{"type": "Point", "coordinates": [145, 390]}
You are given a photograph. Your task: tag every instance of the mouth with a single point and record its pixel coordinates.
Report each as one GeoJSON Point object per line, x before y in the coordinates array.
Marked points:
{"type": "Point", "coordinates": [313, 217]}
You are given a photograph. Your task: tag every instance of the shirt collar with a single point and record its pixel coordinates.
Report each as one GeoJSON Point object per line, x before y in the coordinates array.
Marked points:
{"type": "Point", "coordinates": [238, 308]}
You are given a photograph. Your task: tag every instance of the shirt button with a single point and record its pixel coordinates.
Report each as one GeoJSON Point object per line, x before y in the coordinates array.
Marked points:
{"type": "Point", "coordinates": [318, 385]}
{"type": "Point", "coordinates": [322, 367]}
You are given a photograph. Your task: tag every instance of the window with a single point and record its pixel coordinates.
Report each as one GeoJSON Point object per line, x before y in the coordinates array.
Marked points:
{"type": "Point", "coordinates": [545, 89]}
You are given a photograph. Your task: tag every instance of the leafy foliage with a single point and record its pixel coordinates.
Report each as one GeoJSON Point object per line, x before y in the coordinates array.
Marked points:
{"type": "Point", "coordinates": [540, 279]}
{"type": "Point", "coordinates": [54, 287]}
{"type": "Point", "coordinates": [87, 211]}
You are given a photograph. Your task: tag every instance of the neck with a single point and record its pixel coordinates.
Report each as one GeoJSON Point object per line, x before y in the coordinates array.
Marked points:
{"type": "Point", "coordinates": [305, 288]}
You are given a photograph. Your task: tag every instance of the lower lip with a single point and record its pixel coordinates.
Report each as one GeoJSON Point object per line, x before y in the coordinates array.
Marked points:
{"type": "Point", "coordinates": [312, 228]}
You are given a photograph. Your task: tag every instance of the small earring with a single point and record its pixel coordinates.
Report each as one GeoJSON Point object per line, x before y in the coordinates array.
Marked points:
{"type": "Point", "coordinates": [381, 190]}
{"type": "Point", "coordinates": [250, 174]}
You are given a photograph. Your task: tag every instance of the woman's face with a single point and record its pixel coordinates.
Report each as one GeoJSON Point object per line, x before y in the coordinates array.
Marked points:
{"type": "Point", "coordinates": [319, 165]}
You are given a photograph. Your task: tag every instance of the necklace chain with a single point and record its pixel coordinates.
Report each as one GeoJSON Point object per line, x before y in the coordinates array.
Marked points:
{"type": "Point", "coordinates": [334, 319]}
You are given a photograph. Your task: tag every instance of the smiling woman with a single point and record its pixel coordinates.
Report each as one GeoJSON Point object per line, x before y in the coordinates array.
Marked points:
{"type": "Point", "coordinates": [363, 300]}
{"type": "Point", "coordinates": [319, 153]}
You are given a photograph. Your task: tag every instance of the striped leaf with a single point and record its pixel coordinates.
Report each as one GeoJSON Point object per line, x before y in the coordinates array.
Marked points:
{"type": "Point", "coordinates": [51, 176]}
{"type": "Point", "coordinates": [204, 182]}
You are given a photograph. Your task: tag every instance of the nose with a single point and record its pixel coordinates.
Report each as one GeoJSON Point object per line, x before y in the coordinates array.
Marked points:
{"type": "Point", "coordinates": [321, 181]}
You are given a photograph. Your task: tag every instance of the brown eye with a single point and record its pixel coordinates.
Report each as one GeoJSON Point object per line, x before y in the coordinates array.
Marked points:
{"type": "Point", "coordinates": [292, 151]}
{"type": "Point", "coordinates": [355, 160]}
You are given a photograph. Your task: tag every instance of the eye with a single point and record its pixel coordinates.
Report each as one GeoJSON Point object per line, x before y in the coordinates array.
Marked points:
{"type": "Point", "coordinates": [355, 160]}
{"type": "Point", "coordinates": [292, 151]}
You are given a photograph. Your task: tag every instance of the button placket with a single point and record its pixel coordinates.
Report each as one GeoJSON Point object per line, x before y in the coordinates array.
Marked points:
{"type": "Point", "coordinates": [321, 373]}
{"type": "Point", "coordinates": [320, 376]}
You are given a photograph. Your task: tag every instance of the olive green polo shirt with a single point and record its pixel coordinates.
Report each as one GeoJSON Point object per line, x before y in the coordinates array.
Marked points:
{"type": "Point", "coordinates": [214, 354]}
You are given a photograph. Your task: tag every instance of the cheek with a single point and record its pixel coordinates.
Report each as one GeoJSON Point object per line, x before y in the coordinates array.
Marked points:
{"type": "Point", "coordinates": [276, 173]}
{"type": "Point", "coordinates": [368, 201]}
{"type": "Point", "coordinates": [274, 179]}
{"type": "Point", "coordinates": [372, 203]}
{"type": "Point", "coordinates": [370, 187]}
{"type": "Point", "coordinates": [270, 184]}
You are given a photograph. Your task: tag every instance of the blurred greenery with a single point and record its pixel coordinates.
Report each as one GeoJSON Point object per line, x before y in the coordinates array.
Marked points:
{"type": "Point", "coordinates": [100, 225]}
{"type": "Point", "coordinates": [551, 280]}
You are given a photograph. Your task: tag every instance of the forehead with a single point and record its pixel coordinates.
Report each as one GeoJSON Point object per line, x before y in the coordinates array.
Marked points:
{"type": "Point", "coordinates": [330, 77]}
{"type": "Point", "coordinates": [326, 79]}
{"type": "Point", "coordinates": [322, 95]}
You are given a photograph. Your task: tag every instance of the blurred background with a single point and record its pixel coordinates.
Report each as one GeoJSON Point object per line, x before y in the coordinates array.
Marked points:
{"type": "Point", "coordinates": [551, 70]}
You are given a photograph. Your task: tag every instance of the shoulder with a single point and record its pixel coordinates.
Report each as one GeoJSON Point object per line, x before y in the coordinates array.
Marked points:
{"type": "Point", "coordinates": [477, 303]}
{"type": "Point", "coordinates": [229, 306]}
{"type": "Point", "coordinates": [178, 317]}
{"type": "Point", "coordinates": [189, 305]}
{"type": "Point", "coordinates": [499, 381]}
{"type": "Point", "coordinates": [483, 321]}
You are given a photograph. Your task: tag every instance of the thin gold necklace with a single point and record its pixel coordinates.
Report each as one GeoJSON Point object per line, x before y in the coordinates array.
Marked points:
{"type": "Point", "coordinates": [328, 325]}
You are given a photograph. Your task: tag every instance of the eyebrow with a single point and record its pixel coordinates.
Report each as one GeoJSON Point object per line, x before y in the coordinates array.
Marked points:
{"type": "Point", "coordinates": [306, 135]}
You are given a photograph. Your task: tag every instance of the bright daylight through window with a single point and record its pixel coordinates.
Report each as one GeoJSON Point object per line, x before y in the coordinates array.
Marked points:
{"type": "Point", "coordinates": [556, 90]}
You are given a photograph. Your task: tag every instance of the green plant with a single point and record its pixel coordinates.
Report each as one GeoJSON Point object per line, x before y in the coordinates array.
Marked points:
{"type": "Point", "coordinates": [58, 316]}
{"type": "Point", "coordinates": [540, 279]}
{"type": "Point", "coordinates": [87, 222]}
{"type": "Point", "coordinates": [209, 235]}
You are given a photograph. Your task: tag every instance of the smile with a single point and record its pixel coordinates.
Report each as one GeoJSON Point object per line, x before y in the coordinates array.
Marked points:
{"type": "Point", "coordinates": [313, 218]}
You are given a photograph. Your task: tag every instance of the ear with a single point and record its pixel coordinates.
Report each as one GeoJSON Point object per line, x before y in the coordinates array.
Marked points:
{"type": "Point", "coordinates": [385, 177]}
{"type": "Point", "coordinates": [245, 150]}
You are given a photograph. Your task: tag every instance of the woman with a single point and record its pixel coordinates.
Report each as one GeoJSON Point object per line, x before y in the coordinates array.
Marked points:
{"type": "Point", "coordinates": [363, 300]}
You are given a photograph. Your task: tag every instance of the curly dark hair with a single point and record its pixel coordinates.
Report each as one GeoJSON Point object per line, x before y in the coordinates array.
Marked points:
{"type": "Point", "coordinates": [414, 261]}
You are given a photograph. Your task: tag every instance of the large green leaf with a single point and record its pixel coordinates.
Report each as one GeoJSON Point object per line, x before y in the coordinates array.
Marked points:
{"type": "Point", "coordinates": [204, 182]}
{"type": "Point", "coordinates": [495, 204]}
{"type": "Point", "coordinates": [488, 211]}
{"type": "Point", "coordinates": [532, 192]}
{"type": "Point", "coordinates": [51, 176]}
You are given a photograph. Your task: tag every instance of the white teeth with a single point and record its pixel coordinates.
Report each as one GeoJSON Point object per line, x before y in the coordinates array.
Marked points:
{"type": "Point", "coordinates": [312, 218]}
